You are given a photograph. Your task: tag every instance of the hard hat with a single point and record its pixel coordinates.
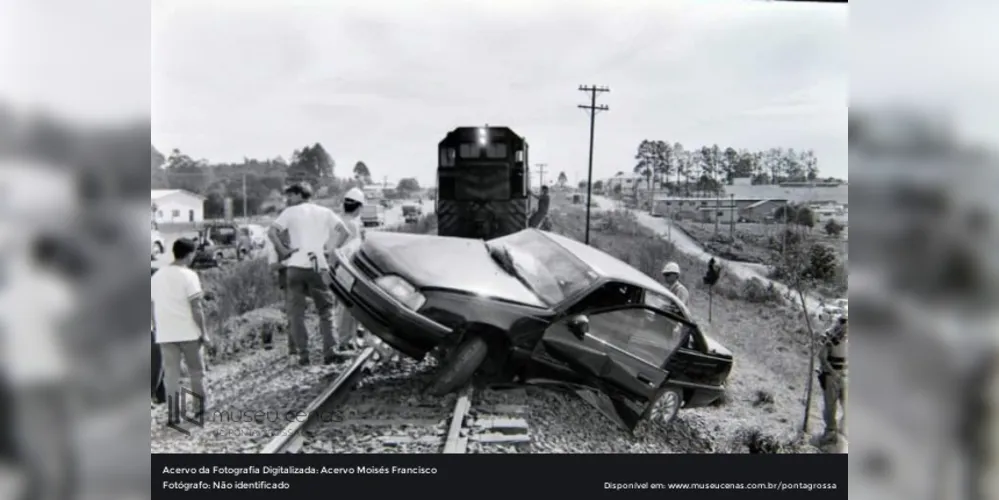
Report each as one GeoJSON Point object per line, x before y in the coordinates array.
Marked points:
{"type": "Point", "coordinates": [671, 267]}
{"type": "Point", "coordinates": [354, 194]}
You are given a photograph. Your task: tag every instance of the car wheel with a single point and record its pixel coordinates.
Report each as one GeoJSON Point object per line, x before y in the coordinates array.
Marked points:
{"type": "Point", "coordinates": [460, 366]}
{"type": "Point", "coordinates": [157, 248]}
{"type": "Point", "coordinates": [666, 407]}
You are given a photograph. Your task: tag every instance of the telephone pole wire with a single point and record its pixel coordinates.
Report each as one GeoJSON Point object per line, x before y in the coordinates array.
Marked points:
{"type": "Point", "coordinates": [593, 90]}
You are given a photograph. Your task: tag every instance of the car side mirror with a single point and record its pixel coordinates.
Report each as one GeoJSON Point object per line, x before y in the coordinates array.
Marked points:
{"type": "Point", "coordinates": [579, 326]}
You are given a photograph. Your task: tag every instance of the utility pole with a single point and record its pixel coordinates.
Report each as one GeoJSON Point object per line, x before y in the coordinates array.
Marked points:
{"type": "Point", "coordinates": [717, 209]}
{"type": "Point", "coordinates": [593, 90]}
{"type": "Point", "coordinates": [731, 220]}
{"type": "Point", "coordinates": [245, 214]}
{"type": "Point", "coordinates": [541, 172]}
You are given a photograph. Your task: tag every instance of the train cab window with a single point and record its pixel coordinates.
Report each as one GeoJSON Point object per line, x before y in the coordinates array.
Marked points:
{"type": "Point", "coordinates": [608, 296]}
{"type": "Point", "coordinates": [469, 150]}
{"type": "Point", "coordinates": [447, 157]}
{"type": "Point", "coordinates": [519, 156]}
{"type": "Point", "coordinates": [496, 151]}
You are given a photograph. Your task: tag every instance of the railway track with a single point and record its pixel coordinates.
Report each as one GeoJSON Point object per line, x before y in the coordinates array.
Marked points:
{"type": "Point", "coordinates": [388, 412]}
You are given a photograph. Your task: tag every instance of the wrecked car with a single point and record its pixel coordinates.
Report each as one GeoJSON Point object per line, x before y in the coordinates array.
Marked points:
{"type": "Point", "coordinates": [534, 308]}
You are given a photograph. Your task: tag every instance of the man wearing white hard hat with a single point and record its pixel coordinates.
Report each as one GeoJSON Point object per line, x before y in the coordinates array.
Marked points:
{"type": "Point", "coordinates": [671, 273]}
{"type": "Point", "coordinates": [348, 239]}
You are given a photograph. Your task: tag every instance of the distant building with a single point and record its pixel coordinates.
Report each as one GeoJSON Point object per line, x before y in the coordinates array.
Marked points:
{"type": "Point", "coordinates": [628, 183]}
{"type": "Point", "coordinates": [725, 215]}
{"type": "Point", "coordinates": [177, 205]}
{"type": "Point", "coordinates": [795, 192]}
{"type": "Point", "coordinates": [749, 209]}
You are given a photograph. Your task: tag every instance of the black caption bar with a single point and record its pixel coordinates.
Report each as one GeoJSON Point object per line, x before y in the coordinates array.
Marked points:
{"type": "Point", "coordinates": [618, 476]}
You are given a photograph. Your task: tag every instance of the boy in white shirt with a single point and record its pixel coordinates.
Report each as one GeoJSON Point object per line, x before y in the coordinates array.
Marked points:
{"type": "Point", "coordinates": [179, 317]}
{"type": "Point", "coordinates": [310, 227]}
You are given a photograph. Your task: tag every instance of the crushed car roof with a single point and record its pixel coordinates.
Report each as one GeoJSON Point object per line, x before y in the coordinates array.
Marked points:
{"type": "Point", "coordinates": [610, 267]}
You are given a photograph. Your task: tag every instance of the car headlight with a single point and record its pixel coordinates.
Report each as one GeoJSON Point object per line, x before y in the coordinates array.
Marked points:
{"type": "Point", "coordinates": [402, 290]}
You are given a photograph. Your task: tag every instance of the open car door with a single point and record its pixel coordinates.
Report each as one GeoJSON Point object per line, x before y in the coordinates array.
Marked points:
{"type": "Point", "coordinates": [620, 354]}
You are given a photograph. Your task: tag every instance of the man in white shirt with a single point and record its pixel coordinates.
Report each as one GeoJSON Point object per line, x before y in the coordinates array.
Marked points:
{"type": "Point", "coordinates": [309, 227]}
{"type": "Point", "coordinates": [180, 330]}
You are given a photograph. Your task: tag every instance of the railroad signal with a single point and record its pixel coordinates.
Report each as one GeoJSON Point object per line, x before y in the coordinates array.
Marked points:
{"type": "Point", "coordinates": [713, 274]}
{"type": "Point", "coordinates": [710, 278]}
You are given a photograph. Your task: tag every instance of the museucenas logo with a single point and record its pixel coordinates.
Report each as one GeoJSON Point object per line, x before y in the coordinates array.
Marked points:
{"type": "Point", "coordinates": [185, 407]}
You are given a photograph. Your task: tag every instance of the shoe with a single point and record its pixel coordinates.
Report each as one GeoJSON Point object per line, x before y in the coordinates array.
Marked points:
{"type": "Point", "coordinates": [303, 362]}
{"type": "Point", "coordinates": [335, 357]}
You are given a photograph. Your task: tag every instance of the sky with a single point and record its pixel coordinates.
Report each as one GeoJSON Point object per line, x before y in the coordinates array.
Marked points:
{"type": "Point", "coordinates": [383, 82]}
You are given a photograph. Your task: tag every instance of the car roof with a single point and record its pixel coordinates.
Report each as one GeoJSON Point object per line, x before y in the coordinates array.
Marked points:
{"type": "Point", "coordinates": [612, 268]}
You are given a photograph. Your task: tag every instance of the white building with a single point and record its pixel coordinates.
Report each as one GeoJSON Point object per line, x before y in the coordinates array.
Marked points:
{"type": "Point", "coordinates": [177, 205]}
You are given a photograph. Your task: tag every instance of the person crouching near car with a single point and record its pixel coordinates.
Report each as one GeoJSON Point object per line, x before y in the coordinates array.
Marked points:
{"type": "Point", "coordinates": [348, 240]}
{"type": "Point", "coordinates": [833, 377]}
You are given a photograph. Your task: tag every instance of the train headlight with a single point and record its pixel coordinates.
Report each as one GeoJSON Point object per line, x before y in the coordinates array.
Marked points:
{"type": "Point", "coordinates": [402, 290]}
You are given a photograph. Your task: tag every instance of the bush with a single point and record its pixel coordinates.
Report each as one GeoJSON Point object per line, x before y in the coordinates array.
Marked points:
{"type": "Point", "coordinates": [753, 290]}
{"type": "Point", "coordinates": [833, 228]}
{"type": "Point", "coordinates": [239, 288]}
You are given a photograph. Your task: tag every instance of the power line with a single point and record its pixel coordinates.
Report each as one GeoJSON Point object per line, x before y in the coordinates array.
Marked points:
{"type": "Point", "coordinates": [593, 109]}
{"type": "Point", "coordinates": [541, 172]}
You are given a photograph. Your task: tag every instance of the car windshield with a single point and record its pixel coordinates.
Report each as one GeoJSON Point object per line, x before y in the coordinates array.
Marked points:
{"type": "Point", "coordinates": [551, 271]}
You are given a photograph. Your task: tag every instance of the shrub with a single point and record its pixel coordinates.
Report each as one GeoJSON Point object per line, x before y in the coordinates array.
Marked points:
{"type": "Point", "coordinates": [833, 228]}
{"type": "Point", "coordinates": [239, 288]}
{"type": "Point", "coordinates": [753, 290]}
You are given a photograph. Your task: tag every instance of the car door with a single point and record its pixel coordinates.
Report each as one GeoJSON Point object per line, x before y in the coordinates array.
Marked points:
{"type": "Point", "coordinates": [622, 357]}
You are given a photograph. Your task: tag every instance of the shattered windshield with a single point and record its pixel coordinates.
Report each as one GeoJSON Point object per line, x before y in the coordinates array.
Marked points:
{"type": "Point", "coordinates": [548, 269]}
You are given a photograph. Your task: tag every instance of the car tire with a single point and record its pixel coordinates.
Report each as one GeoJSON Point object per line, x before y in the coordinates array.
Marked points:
{"type": "Point", "coordinates": [157, 248]}
{"type": "Point", "coordinates": [665, 408]}
{"type": "Point", "coordinates": [459, 367]}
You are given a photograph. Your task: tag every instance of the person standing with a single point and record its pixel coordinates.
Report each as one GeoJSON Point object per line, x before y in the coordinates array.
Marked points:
{"type": "Point", "coordinates": [832, 376]}
{"type": "Point", "coordinates": [541, 214]}
{"type": "Point", "coordinates": [279, 271]}
{"type": "Point", "coordinates": [179, 320]}
{"type": "Point", "coordinates": [348, 240]}
{"type": "Point", "coordinates": [671, 274]}
{"type": "Point", "coordinates": [36, 301]}
{"type": "Point", "coordinates": [310, 227]}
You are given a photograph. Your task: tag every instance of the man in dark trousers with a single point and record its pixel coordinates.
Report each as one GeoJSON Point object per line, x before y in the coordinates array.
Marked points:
{"type": "Point", "coordinates": [540, 215]}
{"type": "Point", "coordinates": [310, 227]}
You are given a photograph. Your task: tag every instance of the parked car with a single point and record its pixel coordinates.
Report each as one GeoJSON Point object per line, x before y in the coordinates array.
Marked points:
{"type": "Point", "coordinates": [537, 308]}
{"type": "Point", "coordinates": [158, 246]}
{"type": "Point", "coordinates": [373, 215]}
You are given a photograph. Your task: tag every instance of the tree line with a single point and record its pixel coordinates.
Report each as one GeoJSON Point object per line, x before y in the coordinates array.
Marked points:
{"type": "Point", "coordinates": [708, 168]}
{"type": "Point", "coordinates": [262, 178]}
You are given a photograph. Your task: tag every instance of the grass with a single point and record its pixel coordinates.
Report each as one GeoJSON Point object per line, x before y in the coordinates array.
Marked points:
{"type": "Point", "coordinates": [759, 244]}
{"type": "Point", "coordinates": [763, 406]}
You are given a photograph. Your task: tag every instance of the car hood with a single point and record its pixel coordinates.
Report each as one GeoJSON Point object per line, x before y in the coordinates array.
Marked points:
{"type": "Point", "coordinates": [441, 262]}
{"type": "Point", "coordinates": [715, 347]}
